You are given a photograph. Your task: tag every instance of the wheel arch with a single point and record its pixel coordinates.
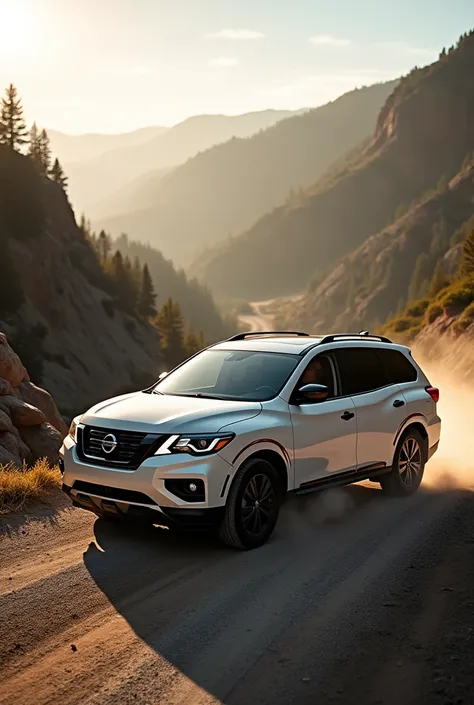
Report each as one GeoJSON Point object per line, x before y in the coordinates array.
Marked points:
{"type": "Point", "coordinates": [418, 423]}
{"type": "Point", "coordinates": [272, 452]}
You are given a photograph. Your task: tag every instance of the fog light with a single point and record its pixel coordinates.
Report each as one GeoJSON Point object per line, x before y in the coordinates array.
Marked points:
{"type": "Point", "coordinates": [192, 487]}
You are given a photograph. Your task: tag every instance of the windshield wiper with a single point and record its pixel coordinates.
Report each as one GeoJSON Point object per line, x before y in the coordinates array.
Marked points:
{"type": "Point", "coordinates": [198, 395]}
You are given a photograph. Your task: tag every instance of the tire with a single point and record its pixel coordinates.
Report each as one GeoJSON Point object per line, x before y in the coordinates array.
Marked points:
{"type": "Point", "coordinates": [408, 466]}
{"type": "Point", "coordinates": [253, 505]}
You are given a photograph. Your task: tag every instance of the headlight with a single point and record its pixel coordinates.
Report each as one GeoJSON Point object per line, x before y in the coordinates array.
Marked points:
{"type": "Point", "coordinates": [73, 428]}
{"type": "Point", "coordinates": [195, 444]}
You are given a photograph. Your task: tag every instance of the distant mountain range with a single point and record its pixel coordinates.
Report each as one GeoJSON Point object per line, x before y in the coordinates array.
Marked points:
{"type": "Point", "coordinates": [96, 173]}
{"type": "Point", "coordinates": [80, 148]}
{"type": "Point", "coordinates": [225, 189]}
{"type": "Point", "coordinates": [423, 134]}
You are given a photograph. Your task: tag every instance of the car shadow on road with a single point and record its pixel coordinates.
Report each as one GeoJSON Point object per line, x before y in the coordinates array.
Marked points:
{"type": "Point", "coordinates": [182, 593]}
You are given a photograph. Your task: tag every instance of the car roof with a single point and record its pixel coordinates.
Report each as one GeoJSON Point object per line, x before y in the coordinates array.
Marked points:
{"type": "Point", "coordinates": [299, 344]}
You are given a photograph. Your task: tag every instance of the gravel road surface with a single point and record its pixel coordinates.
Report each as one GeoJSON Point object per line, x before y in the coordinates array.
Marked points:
{"type": "Point", "coordinates": [357, 599]}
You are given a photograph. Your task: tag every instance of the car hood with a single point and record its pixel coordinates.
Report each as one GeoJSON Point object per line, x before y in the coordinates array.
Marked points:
{"type": "Point", "coordinates": [163, 413]}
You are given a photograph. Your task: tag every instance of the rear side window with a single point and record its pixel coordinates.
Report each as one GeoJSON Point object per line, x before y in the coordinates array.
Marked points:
{"type": "Point", "coordinates": [360, 370]}
{"type": "Point", "coordinates": [397, 366]}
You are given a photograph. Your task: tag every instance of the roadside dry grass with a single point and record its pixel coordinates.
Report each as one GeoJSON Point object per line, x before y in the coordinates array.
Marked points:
{"type": "Point", "coordinates": [20, 486]}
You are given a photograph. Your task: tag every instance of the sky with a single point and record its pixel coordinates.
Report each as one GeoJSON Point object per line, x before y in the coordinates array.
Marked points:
{"type": "Point", "coordinates": [117, 65]}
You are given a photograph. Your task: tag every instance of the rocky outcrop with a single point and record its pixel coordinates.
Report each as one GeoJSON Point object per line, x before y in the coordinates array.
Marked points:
{"type": "Point", "coordinates": [30, 424]}
{"type": "Point", "coordinates": [89, 349]}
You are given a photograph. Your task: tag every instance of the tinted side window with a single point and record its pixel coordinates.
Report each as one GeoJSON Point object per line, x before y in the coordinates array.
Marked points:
{"type": "Point", "coordinates": [397, 366]}
{"type": "Point", "coordinates": [360, 370]}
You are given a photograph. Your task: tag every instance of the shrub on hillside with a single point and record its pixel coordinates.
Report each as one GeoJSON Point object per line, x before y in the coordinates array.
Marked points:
{"type": "Point", "coordinates": [458, 296]}
{"type": "Point", "coordinates": [417, 308]}
{"type": "Point", "coordinates": [434, 311]}
{"type": "Point", "coordinates": [464, 321]}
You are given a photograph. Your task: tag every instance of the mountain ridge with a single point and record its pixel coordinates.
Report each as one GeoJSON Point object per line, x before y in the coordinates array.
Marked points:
{"type": "Point", "coordinates": [423, 134]}
{"type": "Point", "coordinates": [93, 179]}
{"type": "Point", "coordinates": [227, 187]}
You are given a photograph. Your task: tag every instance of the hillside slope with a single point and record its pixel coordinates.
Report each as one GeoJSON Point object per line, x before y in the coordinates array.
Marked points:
{"type": "Point", "coordinates": [227, 188]}
{"type": "Point", "coordinates": [371, 283]}
{"type": "Point", "coordinates": [423, 134]}
{"type": "Point", "coordinates": [199, 310]}
{"type": "Point", "coordinates": [92, 180]}
{"type": "Point", "coordinates": [51, 305]}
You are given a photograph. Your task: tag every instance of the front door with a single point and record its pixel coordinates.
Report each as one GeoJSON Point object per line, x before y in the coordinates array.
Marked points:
{"type": "Point", "coordinates": [325, 433]}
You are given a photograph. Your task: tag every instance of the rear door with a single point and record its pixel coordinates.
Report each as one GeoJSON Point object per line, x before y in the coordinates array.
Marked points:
{"type": "Point", "coordinates": [379, 403]}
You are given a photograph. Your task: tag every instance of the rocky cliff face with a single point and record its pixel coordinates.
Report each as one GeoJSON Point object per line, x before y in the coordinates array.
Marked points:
{"type": "Point", "coordinates": [89, 349]}
{"type": "Point", "coordinates": [30, 424]}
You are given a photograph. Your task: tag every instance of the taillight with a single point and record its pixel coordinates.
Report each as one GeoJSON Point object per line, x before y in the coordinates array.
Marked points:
{"type": "Point", "coordinates": [433, 392]}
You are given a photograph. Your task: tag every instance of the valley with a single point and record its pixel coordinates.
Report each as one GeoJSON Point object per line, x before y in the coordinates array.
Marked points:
{"type": "Point", "coordinates": [279, 175]}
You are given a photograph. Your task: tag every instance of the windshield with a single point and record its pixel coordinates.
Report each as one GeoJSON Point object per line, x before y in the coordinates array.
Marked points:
{"type": "Point", "coordinates": [231, 374]}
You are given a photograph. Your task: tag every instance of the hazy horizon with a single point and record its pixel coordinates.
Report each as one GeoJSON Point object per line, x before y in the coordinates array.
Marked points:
{"type": "Point", "coordinates": [150, 62]}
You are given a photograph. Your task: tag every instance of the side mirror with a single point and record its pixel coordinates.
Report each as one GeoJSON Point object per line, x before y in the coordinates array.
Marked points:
{"type": "Point", "coordinates": [311, 393]}
{"type": "Point", "coordinates": [163, 374]}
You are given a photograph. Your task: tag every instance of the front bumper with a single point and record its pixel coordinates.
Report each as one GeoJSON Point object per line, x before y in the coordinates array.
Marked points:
{"type": "Point", "coordinates": [143, 491]}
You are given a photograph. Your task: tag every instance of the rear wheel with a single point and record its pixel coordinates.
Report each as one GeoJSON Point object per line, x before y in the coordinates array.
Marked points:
{"type": "Point", "coordinates": [252, 506]}
{"type": "Point", "coordinates": [408, 466]}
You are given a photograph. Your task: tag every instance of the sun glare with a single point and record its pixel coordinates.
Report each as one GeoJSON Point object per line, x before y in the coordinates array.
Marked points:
{"type": "Point", "coordinates": [16, 34]}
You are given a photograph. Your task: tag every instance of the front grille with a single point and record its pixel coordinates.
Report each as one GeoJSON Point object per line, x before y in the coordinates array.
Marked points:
{"type": "Point", "coordinates": [120, 495]}
{"type": "Point", "coordinates": [131, 447]}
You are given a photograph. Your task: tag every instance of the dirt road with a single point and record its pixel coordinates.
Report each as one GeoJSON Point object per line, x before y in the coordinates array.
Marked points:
{"type": "Point", "coordinates": [357, 599]}
{"type": "Point", "coordinates": [258, 320]}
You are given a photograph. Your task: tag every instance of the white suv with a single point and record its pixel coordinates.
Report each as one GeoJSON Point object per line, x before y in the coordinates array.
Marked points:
{"type": "Point", "coordinates": [220, 440]}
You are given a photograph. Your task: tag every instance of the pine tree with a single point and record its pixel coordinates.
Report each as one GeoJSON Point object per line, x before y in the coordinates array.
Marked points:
{"type": "Point", "coordinates": [466, 264]}
{"type": "Point", "coordinates": [45, 152]}
{"type": "Point", "coordinates": [122, 287]}
{"type": "Point", "coordinates": [419, 277]}
{"type": "Point", "coordinates": [201, 340]}
{"type": "Point", "coordinates": [13, 130]}
{"type": "Point", "coordinates": [104, 247]}
{"type": "Point", "coordinates": [191, 343]}
{"type": "Point", "coordinates": [34, 147]}
{"type": "Point", "coordinates": [146, 299]}
{"type": "Point", "coordinates": [169, 323]}
{"type": "Point", "coordinates": [438, 281]}
{"type": "Point", "coordinates": [58, 176]}
{"type": "Point", "coordinates": [440, 242]}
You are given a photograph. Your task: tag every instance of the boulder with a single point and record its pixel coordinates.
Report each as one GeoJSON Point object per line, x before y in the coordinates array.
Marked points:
{"type": "Point", "coordinates": [44, 441]}
{"type": "Point", "coordinates": [5, 422]}
{"type": "Point", "coordinates": [43, 401]}
{"type": "Point", "coordinates": [22, 414]}
{"type": "Point", "coordinates": [5, 387]}
{"type": "Point", "coordinates": [6, 458]}
{"type": "Point", "coordinates": [11, 367]}
{"type": "Point", "coordinates": [14, 445]}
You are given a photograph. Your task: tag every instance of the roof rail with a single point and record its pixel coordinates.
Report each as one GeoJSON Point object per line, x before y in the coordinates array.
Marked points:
{"type": "Point", "coordinates": [243, 336]}
{"type": "Point", "coordinates": [358, 336]}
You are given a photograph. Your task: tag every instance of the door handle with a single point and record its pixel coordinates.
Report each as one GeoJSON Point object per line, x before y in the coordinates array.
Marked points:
{"type": "Point", "coordinates": [399, 402]}
{"type": "Point", "coordinates": [347, 415]}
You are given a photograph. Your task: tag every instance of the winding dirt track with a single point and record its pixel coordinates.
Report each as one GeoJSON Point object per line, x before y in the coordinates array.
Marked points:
{"type": "Point", "coordinates": [356, 599]}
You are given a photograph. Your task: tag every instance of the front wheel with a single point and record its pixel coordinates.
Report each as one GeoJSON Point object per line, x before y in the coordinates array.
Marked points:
{"type": "Point", "coordinates": [252, 506]}
{"type": "Point", "coordinates": [408, 466]}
